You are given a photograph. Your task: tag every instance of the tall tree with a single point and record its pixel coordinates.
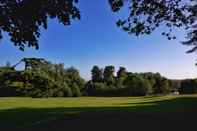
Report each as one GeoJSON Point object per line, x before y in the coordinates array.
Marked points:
{"type": "Point", "coordinates": [121, 75]}
{"type": "Point", "coordinates": [108, 75]}
{"type": "Point", "coordinates": [97, 74]}
{"type": "Point", "coordinates": [122, 72]}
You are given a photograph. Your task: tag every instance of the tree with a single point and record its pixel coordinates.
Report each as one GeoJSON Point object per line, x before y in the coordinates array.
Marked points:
{"type": "Point", "coordinates": [121, 75]}
{"type": "Point", "coordinates": [108, 75]}
{"type": "Point", "coordinates": [192, 35]}
{"type": "Point", "coordinates": [137, 86]}
{"type": "Point", "coordinates": [96, 89]}
{"type": "Point", "coordinates": [75, 90]}
{"type": "Point", "coordinates": [97, 74]}
{"type": "Point", "coordinates": [41, 78]}
{"type": "Point", "coordinates": [188, 86]}
{"type": "Point", "coordinates": [72, 76]}
{"type": "Point", "coordinates": [23, 19]}
{"type": "Point", "coordinates": [145, 16]}
{"type": "Point", "coordinates": [68, 92]}
{"type": "Point", "coordinates": [165, 87]}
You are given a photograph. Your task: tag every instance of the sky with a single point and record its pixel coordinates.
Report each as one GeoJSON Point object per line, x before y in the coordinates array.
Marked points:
{"type": "Point", "coordinates": [96, 40]}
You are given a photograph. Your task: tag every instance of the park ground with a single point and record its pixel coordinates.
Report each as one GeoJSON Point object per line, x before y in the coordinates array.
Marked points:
{"type": "Point", "coordinates": [154, 113]}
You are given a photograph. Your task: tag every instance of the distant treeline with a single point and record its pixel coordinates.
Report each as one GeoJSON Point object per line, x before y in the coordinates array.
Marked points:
{"type": "Point", "coordinates": [41, 78]}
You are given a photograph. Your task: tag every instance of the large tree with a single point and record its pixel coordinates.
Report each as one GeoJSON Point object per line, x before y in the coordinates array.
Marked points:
{"type": "Point", "coordinates": [23, 19]}
{"type": "Point", "coordinates": [145, 16]}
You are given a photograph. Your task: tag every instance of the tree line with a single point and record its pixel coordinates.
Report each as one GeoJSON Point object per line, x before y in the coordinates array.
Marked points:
{"type": "Point", "coordinates": [104, 82]}
{"type": "Point", "coordinates": [42, 78]}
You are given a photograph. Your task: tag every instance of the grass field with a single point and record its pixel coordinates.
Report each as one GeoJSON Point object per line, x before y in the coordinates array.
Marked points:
{"type": "Point", "coordinates": [23, 113]}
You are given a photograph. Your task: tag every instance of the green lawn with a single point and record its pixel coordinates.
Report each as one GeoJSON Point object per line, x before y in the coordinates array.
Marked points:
{"type": "Point", "coordinates": [21, 112]}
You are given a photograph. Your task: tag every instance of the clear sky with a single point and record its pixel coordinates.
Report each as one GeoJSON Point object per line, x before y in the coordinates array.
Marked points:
{"type": "Point", "coordinates": [95, 40]}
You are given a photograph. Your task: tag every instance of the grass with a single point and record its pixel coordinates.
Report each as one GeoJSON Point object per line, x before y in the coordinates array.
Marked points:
{"type": "Point", "coordinates": [24, 112]}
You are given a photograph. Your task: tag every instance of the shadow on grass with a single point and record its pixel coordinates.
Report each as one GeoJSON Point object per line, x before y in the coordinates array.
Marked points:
{"type": "Point", "coordinates": [174, 113]}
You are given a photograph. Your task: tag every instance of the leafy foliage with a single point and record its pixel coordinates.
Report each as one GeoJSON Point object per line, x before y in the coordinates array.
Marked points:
{"type": "Point", "coordinates": [188, 87]}
{"type": "Point", "coordinates": [97, 74]}
{"type": "Point", "coordinates": [22, 19]}
{"type": "Point", "coordinates": [127, 84]}
{"type": "Point", "coordinates": [43, 80]}
{"type": "Point", "coordinates": [145, 16]}
{"type": "Point", "coordinates": [108, 75]}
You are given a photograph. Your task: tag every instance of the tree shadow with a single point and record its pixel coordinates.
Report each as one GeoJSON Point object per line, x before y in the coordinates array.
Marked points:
{"type": "Point", "coordinates": [178, 113]}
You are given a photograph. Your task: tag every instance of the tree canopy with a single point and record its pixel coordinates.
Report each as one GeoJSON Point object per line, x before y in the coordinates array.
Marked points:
{"type": "Point", "coordinates": [46, 79]}
{"type": "Point", "coordinates": [145, 16]}
{"type": "Point", "coordinates": [23, 19]}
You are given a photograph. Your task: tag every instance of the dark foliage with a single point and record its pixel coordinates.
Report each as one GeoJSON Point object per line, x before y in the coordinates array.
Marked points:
{"type": "Point", "coordinates": [97, 74]}
{"type": "Point", "coordinates": [145, 16]}
{"type": "Point", "coordinates": [188, 87]}
{"type": "Point", "coordinates": [23, 19]}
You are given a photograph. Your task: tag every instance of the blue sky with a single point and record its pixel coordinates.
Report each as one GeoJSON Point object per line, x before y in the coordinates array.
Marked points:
{"type": "Point", "coordinates": [95, 40]}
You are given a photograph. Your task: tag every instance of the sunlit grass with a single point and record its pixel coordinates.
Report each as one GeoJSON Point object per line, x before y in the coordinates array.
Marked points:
{"type": "Point", "coordinates": [18, 111]}
{"type": "Point", "coordinates": [14, 102]}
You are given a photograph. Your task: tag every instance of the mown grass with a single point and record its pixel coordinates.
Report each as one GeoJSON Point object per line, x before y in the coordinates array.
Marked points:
{"type": "Point", "coordinates": [20, 112]}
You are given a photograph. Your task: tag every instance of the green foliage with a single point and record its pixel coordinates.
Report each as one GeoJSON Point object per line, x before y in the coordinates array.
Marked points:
{"type": "Point", "coordinates": [97, 74]}
{"type": "Point", "coordinates": [75, 90]}
{"type": "Point", "coordinates": [23, 19]}
{"type": "Point", "coordinates": [42, 79]}
{"type": "Point", "coordinates": [67, 92]}
{"type": "Point", "coordinates": [127, 84]}
{"type": "Point", "coordinates": [108, 75]}
{"type": "Point", "coordinates": [121, 76]}
{"type": "Point", "coordinates": [188, 87]}
{"type": "Point", "coordinates": [165, 87]}
{"type": "Point", "coordinates": [137, 86]}
{"type": "Point", "coordinates": [145, 16]}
